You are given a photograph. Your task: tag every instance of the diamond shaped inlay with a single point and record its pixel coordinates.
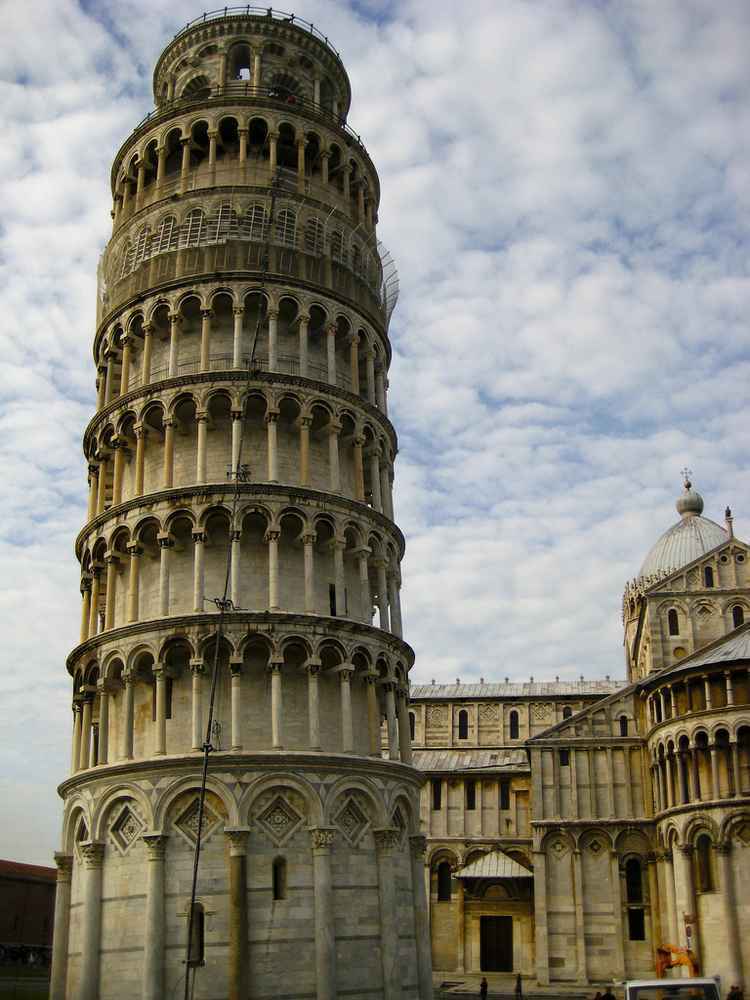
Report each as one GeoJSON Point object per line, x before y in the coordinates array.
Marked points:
{"type": "Point", "coordinates": [126, 829]}
{"type": "Point", "coordinates": [352, 820]}
{"type": "Point", "coordinates": [595, 846]}
{"type": "Point", "coordinates": [187, 821]}
{"type": "Point", "coordinates": [279, 820]}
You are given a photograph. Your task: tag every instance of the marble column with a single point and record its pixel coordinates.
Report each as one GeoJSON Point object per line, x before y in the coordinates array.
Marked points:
{"type": "Point", "coordinates": [331, 354]}
{"type": "Point", "coordinates": [729, 912]}
{"type": "Point", "coordinates": [418, 844]}
{"type": "Point", "coordinates": [174, 344]}
{"type": "Point", "coordinates": [382, 598]}
{"type": "Point", "coordinates": [272, 539]}
{"type": "Point", "coordinates": [199, 538]}
{"type": "Point", "coordinates": [135, 552]}
{"type": "Point", "coordinates": [394, 602]}
{"type": "Point", "coordinates": [104, 697]}
{"type": "Point", "coordinates": [59, 970]}
{"type": "Point", "coordinates": [386, 842]}
{"type": "Point", "coordinates": [276, 706]}
{"type": "Point", "coordinates": [235, 575]}
{"type": "Point", "coordinates": [615, 882]}
{"type": "Point", "coordinates": [160, 725]}
{"type": "Point", "coordinates": [390, 713]}
{"type": "Point", "coordinates": [127, 713]}
{"type": "Point", "coordinates": [239, 951]}
{"type": "Point", "coordinates": [540, 918]}
{"type": "Point", "coordinates": [304, 323]}
{"type": "Point", "coordinates": [206, 315]}
{"type": "Point", "coordinates": [354, 361]}
{"type": "Point", "coordinates": [148, 347]}
{"type": "Point", "coordinates": [85, 750]}
{"type": "Point", "coordinates": [375, 483]}
{"type": "Point", "coordinates": [273, 448]}
{"type": "Point", "coordinates": [359, 469]}
{"type": "Point", "coordinates": [370, 368]}
{"type": "Point", "coordinates": [338, 546]}
{"type": "Point", "coordinates": [404, 736]}
{"type": "Point", "coordinates": [235, 668]}
{"type": "Point", "coordinates": [197, 670]}
{"type": "Point", "coordinates": [239, 312]}
{"type": "Point", "coordinates": [325, 938]}
{"type": "Point", "coordinates": [582, 973]}
{"type": "Point", "coordinates": [92, 856]}
{"type": "Point", "coordinates": [461, 921]}
{"type": "Point", "coordinates": [334, 429]}
{"type": "Point", "coordinates": [155, 924]}
{"type": "Point", "coordinates": [165, 544]}
{"type": "Point", "coordinates": [85, 610]}
{"type": "Point", "coordinates": [685, 895]}
{"type": "Point", "coordinates": [313, 703]}
{"type": "Point", "coordinates": [168, 467]}
{"type": "Point", "coordinates": [140, 459]}
{"type": "Point", "coordinates": [346, 670]}
{"type": "Point", "coordinates": [670, 899]}
{"type": "Point", "coordinates": [127, 351]}
{"type": "Point", "coordinates": [304, 450]}
{"type": "Point", "coordinates": [308, 541]}
{"type": "Point", "coordinates": [373, 714]}
{"type": "Point", "coordinates": [201, 420]}
{"type": "Point", "coordinates": [273, 339]}
{"type": "Point", "coordinates": [75, 752]}
{"type": "Point", "coordinates": [364, 584]}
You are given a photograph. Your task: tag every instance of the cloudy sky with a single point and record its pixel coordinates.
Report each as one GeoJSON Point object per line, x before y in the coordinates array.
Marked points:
{"type": "Point", "coordinates": [566, 190]}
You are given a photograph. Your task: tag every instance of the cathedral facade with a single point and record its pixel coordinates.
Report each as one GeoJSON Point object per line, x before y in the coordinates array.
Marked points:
{"type": "Point", "coordinates": [240, 561]}
{"type": "Point", "coordinates": [575, 827]}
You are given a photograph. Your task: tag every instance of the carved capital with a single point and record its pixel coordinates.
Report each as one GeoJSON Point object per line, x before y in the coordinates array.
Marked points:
{"type": "Point", "coordinates": [237, 837]}
{"type": "Point", "coordinates": [156, 844]}
{"type": "Point", "coordinates": [322, 838]}
{"type": "Point", "coordinates": [197, 667]}
{"type": "Point", "coordinates": [92, 854]}
{"type": "Point", "coordinates": [272, 535]}
{"type": "Point", "coordinates": [418, 844]}
{"type": "Point", "coordinates": [64, 864]}
{"type": "Point", "coordinates": [308, 538]}
{"type": "Point", "coordinates": [386, 838]}
{"type": "Point", "coordinates": [199, 537]}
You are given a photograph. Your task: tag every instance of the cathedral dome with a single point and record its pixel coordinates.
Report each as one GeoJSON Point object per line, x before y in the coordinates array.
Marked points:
{"type": "Point", "coordinates": [690, 538]}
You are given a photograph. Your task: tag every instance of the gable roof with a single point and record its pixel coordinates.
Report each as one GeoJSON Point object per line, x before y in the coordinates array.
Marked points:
{"type": "Point", "coordinates": [521, 689]}
{"type": "Point", "coordinates": [495, 864]}
{"type": "Point", "coordinates": [471, 760]}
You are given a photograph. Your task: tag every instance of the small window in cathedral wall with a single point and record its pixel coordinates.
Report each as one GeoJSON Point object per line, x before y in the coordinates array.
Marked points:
{"type": "Point", "coordinates": [704, 864]}
{"type": "Point", "coordinates": [505, 795]}
{"type": "Point", "coordinates": [437, 794]}
{"type": "Point", "coordinates": [623, 725]}
{"type": "Point", "coordinates": [565, 758]}
{"type": "Point", "coordinates": [708, 576]}
{"type": "Point", "coordinates": [279, 879]}
{"type": "Point", "coordinates": [463, 724]}
{"type": "Point", "coordinates": [738, 616]}
{"type": "Point", "coordinates": [513, 721]}
{"type": "Point", "coordinates": [636, 924]}
{"type": "Point", "coordinates": [444, 887]}
{"type": "Point", "coordinates": [673, 621]}
{"type": "Point", "coordinates": [412, 724]}
{"type": "Point", "coordinates": [471, 795]}
{"type": "Point", "coordinates": [567, 712]}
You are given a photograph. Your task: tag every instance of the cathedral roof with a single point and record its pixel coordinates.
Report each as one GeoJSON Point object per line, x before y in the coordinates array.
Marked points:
{"type": "Point", "coordinates": [690, 538]}
{"type": "Point", "coordinates": [469, 760]}
{"type": "Point", "coordinates": [494, 864]}
{"type": "Point", "coordinates": [520, 689]}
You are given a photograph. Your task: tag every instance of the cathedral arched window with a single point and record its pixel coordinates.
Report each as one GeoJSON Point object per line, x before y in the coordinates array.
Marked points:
{"type": "Point", "coordinates": [673, 622]}
{"type": "Point", "coordinates": [437, 794]}
{"type": "Point", "coordinates": [565, 757]}
{"type": "Point", "coordinates": [567, 712]}
{"type": "Point", "coordinates": [444, 882]}
{"type": "Point", "coordinates": [513, 723]}
{"type": "Point", "coordinates": [463, 724]}
{"type": "Point", "coordinates": [703, 863]}
{"type": "Point", "coordinates": [738, 616]}
{"type": "Point", "coordinates": [198, 935]}
{"type": "Point", "coordinates": [279, 878]}
{"type": "Point", "coordinates": [286, 227]}
{"type": "Point", "coordinates": [412, 724]}
{"type": "Point", "coordinates": [634, 880]}
{"type": "Point", "coordinates": [623, 725]}
{"type": "Point", "coordinates": [471, 795]}
{"type": "Point", "coordinates": [708, 577]}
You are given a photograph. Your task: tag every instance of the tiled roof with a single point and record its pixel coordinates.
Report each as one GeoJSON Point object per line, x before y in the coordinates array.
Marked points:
{"type": "Point", "coordinates": [530, 689]}
{"type": "Point", "coordinates": [495, 864]}
{"type": "Point", "coordinates": [18, 870]}
{"type": "Point", "coordinates": [466, 760]}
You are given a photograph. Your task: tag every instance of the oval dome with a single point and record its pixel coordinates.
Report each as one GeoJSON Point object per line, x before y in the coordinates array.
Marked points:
{"type": "Point", "coordinates": [685, 541]}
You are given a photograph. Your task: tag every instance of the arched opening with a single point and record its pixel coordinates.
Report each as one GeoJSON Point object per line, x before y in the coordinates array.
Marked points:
{"type": "Point", "coordinates": [437, 794]}
{"type": "Point", "coordinates": [623, 725]}
{"type": "Point", "coordinates": [567, 712]}
{"type": "Point", "coordinates": [708, 576]}
{"type": "Point", "coordinates": [513, 723]}
{"type": "Point", "coordinates": [198, 89]}
{"type": "Point", "coordinates": [705, 880]}
{"type": "Point", "coordinates": [673, 622]}
{"type": "Point", "coordinates": [444, 882]}
{"type": "Point", "coordinates": [240, 62]}
{"type": "Point", "coordinates": [197, 930]}
{"type": "Point", "coordinates": [463, 724]}
{"type": "Point", "coordinates": [279, 878]}
{"type": "Point", "coordinates": [738, 616]}
{"type": "Point", "coordinates": [412, 725]}
{"type": "Point", "coordinates": [471, 795]}
{"type": "Point", "coordinates": [285, 87]}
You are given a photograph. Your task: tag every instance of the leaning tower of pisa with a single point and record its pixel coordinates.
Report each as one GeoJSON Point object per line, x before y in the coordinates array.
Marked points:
{"type": "Point", "coordinates": [241, 434]}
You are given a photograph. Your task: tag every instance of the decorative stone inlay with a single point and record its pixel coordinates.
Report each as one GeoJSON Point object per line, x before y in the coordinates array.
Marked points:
{"type": "Point", "coordinates": [559, 848]}
{"type": "Point", "coordinates": [279, 820]}
{"type": "Point", "coordinates": [187, 821]}
{"type": "Point", "coordinates": [541, 710]}
{"type": "Point", "coordinates": [126, 829]}
{"type": "Point", "coordinates": [399, 823]}
{"type": "Point", "coordinates": [322, 839]}
{"type": "Point", "coordinates": [386, 839]}
{"type": "Point", "coordinates": [437, 715]}
{"type": "Point", "coordinates": [489, 713]}
{"type": "Point", "coordinates": [352, 820]}
{"type": "Point", "coordinates": [595, 846]}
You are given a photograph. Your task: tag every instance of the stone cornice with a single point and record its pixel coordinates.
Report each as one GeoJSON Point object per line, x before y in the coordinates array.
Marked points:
{"type": "Point", "coordinates": [259, 380]}
{"type": "Point", "coordinates": [733, 802]}
{"type": "Point", "coordinates": [592, 821]}
{"type": "Point", "coordinates": [262, 620]}
{"type": "Point", "coordinates": [326, 501]}
{"type": "Point", "coordinates": [261, 762]}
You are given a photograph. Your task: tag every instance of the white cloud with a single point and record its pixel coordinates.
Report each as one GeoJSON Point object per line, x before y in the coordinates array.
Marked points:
{"type": "Point", "coordinates": [566, 191]}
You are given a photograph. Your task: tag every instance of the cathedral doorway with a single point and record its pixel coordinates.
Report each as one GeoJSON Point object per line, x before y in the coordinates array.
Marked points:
{"type": "Point", "coordinates": [496, 944]}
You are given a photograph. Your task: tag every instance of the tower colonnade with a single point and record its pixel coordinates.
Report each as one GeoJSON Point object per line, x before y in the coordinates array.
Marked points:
{"type": "Point", "coordinates": [241, 455]}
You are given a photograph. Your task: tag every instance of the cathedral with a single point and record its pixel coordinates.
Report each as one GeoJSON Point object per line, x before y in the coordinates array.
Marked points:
{"type": "Point", "coordinates": [259, 804]}
{"type": "Point", "coordinates": [574, 827]}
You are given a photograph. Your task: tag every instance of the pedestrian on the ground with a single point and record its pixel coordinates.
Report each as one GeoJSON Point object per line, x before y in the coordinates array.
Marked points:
{"type": "Point", "coordinates": [608, 995]}
{"type": "Point", "coordinates": [519, 987]}
{"type": "Point", "coordinates": [598, 995]}
{"type": "Point", "coordinates": [735, 993]}
{"type": "Point", "coordinates": [483, 988]}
